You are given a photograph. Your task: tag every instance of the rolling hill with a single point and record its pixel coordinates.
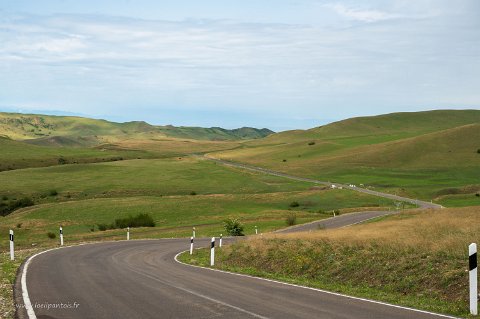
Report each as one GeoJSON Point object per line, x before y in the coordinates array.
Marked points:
{"type": "Point", "coordinates": [416, 154]}
{"type": "Point", "coordinates": [78, 131]}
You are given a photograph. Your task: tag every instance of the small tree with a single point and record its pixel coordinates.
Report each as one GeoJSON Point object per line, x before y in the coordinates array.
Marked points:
{"type": "Point", "coordinates": [233, 227]}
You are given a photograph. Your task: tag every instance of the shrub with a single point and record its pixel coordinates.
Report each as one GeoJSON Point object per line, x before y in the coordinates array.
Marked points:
{"type": "Point", "coordinates": [478, 151]}
{"type": "Point", "coordinates": [284, 160]}
{"type": "Point", "coordinates": [53, 192]}
{"type": "Point", "coordinates": [291, 219]}
{"type": "Point", "coordinates": [19, 225]}
{"type": "Point", "coordinates": [233, 227]}
{"type": "Point", "coordinates": [294, 204]}
{"type": "Point", "coordinates": [193, 193]}
{"type": "Point", "coordinates": [102, 227]}
{"type": "Point", "coordinates": [62, 161]}
{"type": "Point", "coordinates": [141, 220]}
{"type": "Point", "coordinates": [51, 235]}
{"type": "Point", "coordinates": [311, 143]}
{"type": "Point", "coordinates": [4, 197]}
{"type": "Point", "coordinates": [7, 208]}
{"type": "Point", "coordinates": [477, 194]}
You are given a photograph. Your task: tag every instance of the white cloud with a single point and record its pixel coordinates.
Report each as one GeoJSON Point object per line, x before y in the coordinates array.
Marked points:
{"type": "Point", "coordinates": [361, 15]}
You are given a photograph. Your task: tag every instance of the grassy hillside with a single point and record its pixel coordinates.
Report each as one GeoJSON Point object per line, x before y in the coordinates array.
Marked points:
{"type": "Point", "coordinates": [415, 154]}
{"type": "Point", "coordinates": [416, 259]}
{"type": "Point", "coordinates": [17, 154]}
{"type": "Point", "coordinates": [77, 131]}
{"type": "Point", "coordinates": [175, 215]}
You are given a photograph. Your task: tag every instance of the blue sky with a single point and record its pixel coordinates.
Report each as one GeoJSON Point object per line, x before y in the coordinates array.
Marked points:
{"type": "Point", "coordinates": [281, 64]}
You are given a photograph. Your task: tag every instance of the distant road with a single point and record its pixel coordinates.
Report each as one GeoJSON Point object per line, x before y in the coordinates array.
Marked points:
{"type": "Point", "coordinates": [421, 204]}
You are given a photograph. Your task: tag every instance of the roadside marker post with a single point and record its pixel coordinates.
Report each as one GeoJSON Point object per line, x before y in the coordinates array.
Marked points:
{"type": "Point", "coordinates": [220, 242]}
{"type": "Point", "coordinates": [256, 230]}
{"type": "Point", "coordinates": [472, 263]}
{"type": "Point", "coordinates": [61, 236]}
{"type": "Point", "coordinates": [12, 252]}
{"type": "Point", "coordinates": [212, 252]}
{"type": "Point", "coordinates": [128, 233]}
{"type": "Point", "coordinates": [191, 245]}
{"type": "Point", "coordinates": [193, 232]}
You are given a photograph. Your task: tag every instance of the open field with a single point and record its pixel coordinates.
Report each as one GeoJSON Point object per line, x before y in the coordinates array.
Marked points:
{"type": "Point", "coordinates": [417, 258]}
{"type": "Point", "coordinates": [420, 155]}
{"type": "Point", "coordinates": [175, 215]}
{"type": "Point", "coordinates": [177, 176]}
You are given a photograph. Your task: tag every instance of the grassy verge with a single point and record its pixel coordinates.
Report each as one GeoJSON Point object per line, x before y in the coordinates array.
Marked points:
{"type": "Point", "coordinates": [8, 271]}
{"type": "Point", "coordinates": [416, 259]}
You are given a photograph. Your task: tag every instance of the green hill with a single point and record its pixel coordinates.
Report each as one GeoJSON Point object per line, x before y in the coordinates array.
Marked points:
{"type": "Point", "coordinates": [79, 131]}
{"type": "Point", "coordinates": [416, 154]}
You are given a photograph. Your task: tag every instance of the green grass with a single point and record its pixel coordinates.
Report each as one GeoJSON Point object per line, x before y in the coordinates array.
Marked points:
{"type": "Point", "coordinates": [175, 215]}
{"type": "Point", "coordinates": [16, 155]}
{"type": "Point", "coordinates": [138, 178]}
{"type": "Point", "coordinates": [8, 271]}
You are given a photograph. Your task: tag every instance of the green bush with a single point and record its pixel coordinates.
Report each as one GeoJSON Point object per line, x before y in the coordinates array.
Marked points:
{"type": "Point", "coordinates": [141, 220]}
{"type": "Point", "coordinates": [7, 208]}
{"type": "Point", "coordinates": [294, 204]}
{"type": "Point", "coordinates": [193, 193]}
{"type": "Point", "coordinates": [233, 227]}
{"type": "Point", "coordinates": [104, 227]}
{"type": "Point", "coordinates": [19, 225]}
{"type": "Point", "coordinates": [291, 219]}
{"type": "Point", "coordinates": [311, 143]}
{"type": "Point", "coordinates": [51, 235]}
{"type": "Point", "coordinates": [53, 192]}
{"type": "Point", "coordinates": [62, 161]}
{"type": "Point", "coordinates": [478, 151]}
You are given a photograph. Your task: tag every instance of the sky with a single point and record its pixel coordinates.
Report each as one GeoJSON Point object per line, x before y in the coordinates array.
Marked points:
{"type": "Point", "coordinates": [281, 64]}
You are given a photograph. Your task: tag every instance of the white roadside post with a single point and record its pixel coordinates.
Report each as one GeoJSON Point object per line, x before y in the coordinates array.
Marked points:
{"type": "Point", "coordinates": [193, 232]}
{"type": "Point", "coordinates": [12, 253]}
{"type": "Point", "coordinates": [61, 236]}
{"type": "Point", "coordinates": [472, 263]}
{"type": "Point", "coordinates": [191, 245]}
{"type": "Point", "coordinates": [220, 244]}
{"type": "Point", "coordinates": [128, 233]}
{"type": "Point", "coordinates": [212, 252]}
{"type": "Point", "coordinates": [256, 230]}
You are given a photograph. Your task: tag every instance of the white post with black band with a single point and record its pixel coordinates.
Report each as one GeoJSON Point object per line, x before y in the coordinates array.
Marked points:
{"type": "Point", "coordinates": [472, 263]}
{"type": "Point", "coordinates": [128, 233]}
{"type": "Point", "coordinates": [212, 252]}
{"type": "Point", "coordinates": [191, 245]}
{"type": "Point", "coordinates": [61, 236]}
{"type": "Point", "coordinates": [12, 253]}
{"type": "Point", "coordinates": [220, 242]}
{"type": "Point", "coordinates": [256, 230]}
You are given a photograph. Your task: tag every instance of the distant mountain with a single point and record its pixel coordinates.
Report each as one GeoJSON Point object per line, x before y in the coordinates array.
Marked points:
{"type": "Point", "coordinates": [74, 131]}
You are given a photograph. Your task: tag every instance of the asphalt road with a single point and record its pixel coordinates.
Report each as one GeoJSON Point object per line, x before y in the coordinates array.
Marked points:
{"type": "Point", "coordinates": [141, 279]}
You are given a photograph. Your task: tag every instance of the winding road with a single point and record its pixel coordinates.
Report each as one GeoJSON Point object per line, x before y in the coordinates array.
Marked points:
{"type": "Point", "coordinates": [143, 279]}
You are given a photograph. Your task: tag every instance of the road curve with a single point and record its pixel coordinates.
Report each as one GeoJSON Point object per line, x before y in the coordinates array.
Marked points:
{"type": "Point", "coordinates": [141, 279]}
{"type": "Point", "coordinates": [421, 204]}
